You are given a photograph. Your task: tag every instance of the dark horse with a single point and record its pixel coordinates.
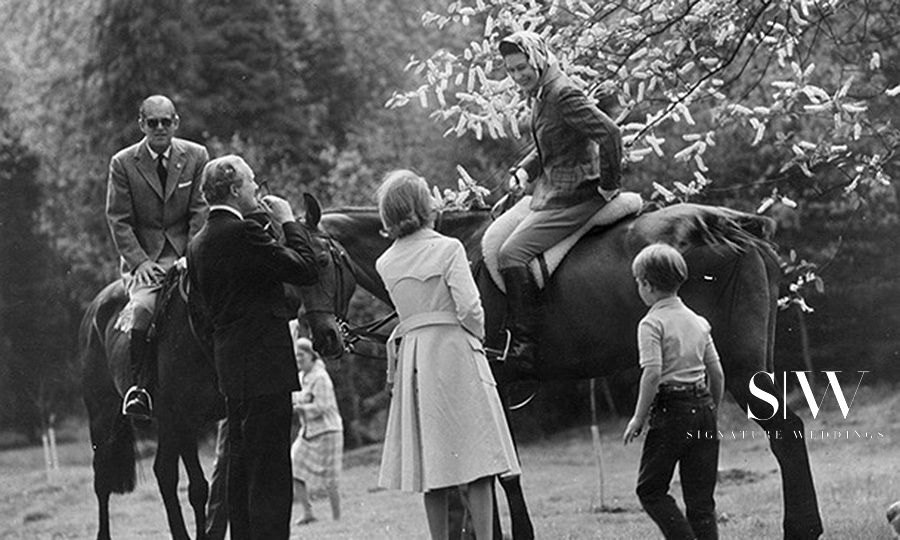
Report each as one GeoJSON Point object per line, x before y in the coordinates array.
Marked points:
{"type": "Point", "coordinates": [590, 311]}
{"type": "Point", "coordinates": [186, 397]}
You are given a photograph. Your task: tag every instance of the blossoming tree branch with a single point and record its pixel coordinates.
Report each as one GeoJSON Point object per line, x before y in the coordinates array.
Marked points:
{"type": "Point", "coordinates": [802, 82]}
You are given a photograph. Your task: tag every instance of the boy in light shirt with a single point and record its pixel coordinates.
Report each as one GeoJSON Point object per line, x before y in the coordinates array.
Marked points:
{"type": "Point", "coordinates": [681, 387]}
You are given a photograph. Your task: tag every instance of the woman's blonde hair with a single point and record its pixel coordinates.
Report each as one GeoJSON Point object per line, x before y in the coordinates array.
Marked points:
{"type": "Point", "coordinates": [404, 203]}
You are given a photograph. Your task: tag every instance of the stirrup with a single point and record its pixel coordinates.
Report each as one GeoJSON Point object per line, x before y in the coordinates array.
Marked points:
{"type": "Point", "coordinates": [498, 355]}
{"type": "Point", "coordinates": [131, 395]}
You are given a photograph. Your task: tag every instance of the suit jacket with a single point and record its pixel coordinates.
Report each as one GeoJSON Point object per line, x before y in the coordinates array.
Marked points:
{"type": "Point", "coordinates": [141, 217]}
{"type": "Point", "coordinates": [577, 147]}
{"type": "Point", "coordinates": [239, 270]}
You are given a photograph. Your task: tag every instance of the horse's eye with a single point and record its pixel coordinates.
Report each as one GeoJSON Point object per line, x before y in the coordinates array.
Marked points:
{"type": "Point", "coordinates": [323, 260]}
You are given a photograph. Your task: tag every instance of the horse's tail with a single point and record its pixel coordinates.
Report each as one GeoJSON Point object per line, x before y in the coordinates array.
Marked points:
{"type": "Point", "coordinates": [736, 230]}
{"type": "Point", "coordinates": [115, 463]}
{"type": "Point", "coordinates": [104, 306]}
{"type": "Point", "coordinates": [88, 332]}
{"type": "Point", "coordinates": [750, 238]}
{"type": "Point", "coordinates": [112, 434]}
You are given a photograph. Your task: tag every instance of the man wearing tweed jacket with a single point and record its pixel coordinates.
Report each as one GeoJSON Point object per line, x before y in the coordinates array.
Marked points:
{"type": "Point", "coordinates": [153, 207]}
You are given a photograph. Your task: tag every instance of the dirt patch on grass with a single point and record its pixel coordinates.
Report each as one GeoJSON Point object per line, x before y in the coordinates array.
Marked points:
{"type": "Point", "coordinates": [741, 476]}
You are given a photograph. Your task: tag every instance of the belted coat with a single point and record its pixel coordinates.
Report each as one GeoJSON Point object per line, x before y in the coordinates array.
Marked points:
{"type": "Point", "coordinates": [446, 425]}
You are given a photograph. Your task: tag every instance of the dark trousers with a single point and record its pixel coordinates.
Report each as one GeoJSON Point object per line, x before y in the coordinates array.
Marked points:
{"type": "Point", "coordinates": [260, 491]}
{"type": "Point", "coordinates": [217, 507]}
{"type": "Point", "coordinates": [680, 423]}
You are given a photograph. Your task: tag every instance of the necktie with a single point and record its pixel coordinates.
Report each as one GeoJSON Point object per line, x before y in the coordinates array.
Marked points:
{"type": "Point", "coordinates": [161, 171]}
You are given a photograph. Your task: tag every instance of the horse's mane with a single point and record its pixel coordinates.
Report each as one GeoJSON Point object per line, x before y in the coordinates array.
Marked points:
{"type": "Point", "coordinates": [86, 328]}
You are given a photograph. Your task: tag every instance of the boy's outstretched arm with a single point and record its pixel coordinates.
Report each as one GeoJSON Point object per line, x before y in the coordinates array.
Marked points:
{"type": "Point", "coordinates": [648, 388]}
{"type": "Point", "coordinates": [715, 377]}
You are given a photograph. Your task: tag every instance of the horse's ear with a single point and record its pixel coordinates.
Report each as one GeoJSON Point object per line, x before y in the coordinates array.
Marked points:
{"type": "Point", "coordinates": [313, 210]}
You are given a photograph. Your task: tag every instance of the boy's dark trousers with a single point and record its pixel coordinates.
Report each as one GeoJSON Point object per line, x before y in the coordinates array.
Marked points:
{"type": "Point", "coordinates": [683, 431]}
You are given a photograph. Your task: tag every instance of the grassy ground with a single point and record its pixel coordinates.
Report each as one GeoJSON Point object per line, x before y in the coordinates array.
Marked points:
{"type": "Point", "coordinates": [856, 479]}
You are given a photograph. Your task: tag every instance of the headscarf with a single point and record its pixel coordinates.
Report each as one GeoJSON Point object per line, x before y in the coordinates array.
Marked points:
{"type": "Point", "coordinates": [536, 52]}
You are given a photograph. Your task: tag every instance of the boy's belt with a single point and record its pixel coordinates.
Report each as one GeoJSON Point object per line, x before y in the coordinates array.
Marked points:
{"type": "Point", "coordinates": [674, 387]}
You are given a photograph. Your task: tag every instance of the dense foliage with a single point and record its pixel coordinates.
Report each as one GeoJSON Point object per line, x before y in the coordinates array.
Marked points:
{"type": "Point", "coordinates": [31, 376]}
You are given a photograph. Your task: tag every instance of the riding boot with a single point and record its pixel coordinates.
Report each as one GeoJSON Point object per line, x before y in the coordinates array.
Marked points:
{"type": "Point", "coordinates": [137, 402]}
{"type": "Point", "coordinates": [522, 317]}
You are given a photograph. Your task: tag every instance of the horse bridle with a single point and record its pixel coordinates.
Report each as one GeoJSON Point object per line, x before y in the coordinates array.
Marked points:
{"type": "Point", "coordinates": [351, 335]}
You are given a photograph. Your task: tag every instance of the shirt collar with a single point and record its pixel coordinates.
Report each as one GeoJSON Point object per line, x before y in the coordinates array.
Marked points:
{"type": "Point", "coordinates": [155, 155]}
{"type": "Point", "coordinates": [231, 209]}
{"type": "Point", "coordinates": [424, 232]}
{"type": "Point", "coordinates": [666, 302]}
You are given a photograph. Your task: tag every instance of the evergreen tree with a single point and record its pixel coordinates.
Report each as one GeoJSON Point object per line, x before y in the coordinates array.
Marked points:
{"type": "Point", "coordinates": [143, 48]}
{"type": "Point", "coordinates": [33, 325]}
{"type": "Point", "coordinates": [252, 81]}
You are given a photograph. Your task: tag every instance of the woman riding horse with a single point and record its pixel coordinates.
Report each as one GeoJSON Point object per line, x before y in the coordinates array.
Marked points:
{"type": "Point", "coordinates": [574, 169]}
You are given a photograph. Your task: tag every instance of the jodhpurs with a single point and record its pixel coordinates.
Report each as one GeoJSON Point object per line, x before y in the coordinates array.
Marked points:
{"type": "Point", "coordinates": [542, 229]}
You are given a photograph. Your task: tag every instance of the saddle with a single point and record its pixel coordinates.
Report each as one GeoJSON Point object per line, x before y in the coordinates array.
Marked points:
{"type": "Point", "coordinates": [175, 280]}
{"type": "Point", "coordinates": [543, 266]}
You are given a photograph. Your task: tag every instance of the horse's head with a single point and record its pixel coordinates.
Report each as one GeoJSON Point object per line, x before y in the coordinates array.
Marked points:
{"type": "Point", "coordinates": [325, 303]}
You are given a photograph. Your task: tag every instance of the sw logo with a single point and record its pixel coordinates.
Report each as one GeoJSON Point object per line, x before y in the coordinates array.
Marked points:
{"type": "Point", "coordinates": [807, 392]}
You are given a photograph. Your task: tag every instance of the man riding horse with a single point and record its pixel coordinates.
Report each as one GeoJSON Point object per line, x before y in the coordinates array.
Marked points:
{"type": "Point", "coordinates": [153, 207]}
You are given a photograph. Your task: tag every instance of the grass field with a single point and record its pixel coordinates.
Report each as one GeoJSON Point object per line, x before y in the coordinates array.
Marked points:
{"type": "Point", "coordinates": [856, 479]}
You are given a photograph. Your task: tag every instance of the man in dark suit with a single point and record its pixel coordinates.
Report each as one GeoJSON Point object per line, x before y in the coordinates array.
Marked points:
{"type": "Point", "coordinates": [238, 270]}
{"type": "Point", "coordinates": [153, 207]}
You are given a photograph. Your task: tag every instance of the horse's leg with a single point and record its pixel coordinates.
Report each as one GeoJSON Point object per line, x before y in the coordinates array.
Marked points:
{"type": "Point", "coordinates": [522, 528]}
{"type": "Point", "coordinates": [747, 349]}
{"type": "Point", "coordinates": [166, 469]}
{"type": "Point", "coordinates": [198, 487]}
{"type": "Point", "coordinates": [103, 504]}
{"type": "Point", "coordinates": [801, 509]}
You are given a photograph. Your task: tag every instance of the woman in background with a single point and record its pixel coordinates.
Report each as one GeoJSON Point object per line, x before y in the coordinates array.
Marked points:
{"type": "Point", "coordinates": [317, 452]}
{"type": "Point", "coordinates": [446, 426]}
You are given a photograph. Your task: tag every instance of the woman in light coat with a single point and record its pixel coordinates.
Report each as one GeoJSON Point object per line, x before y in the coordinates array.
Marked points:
{"type": "Point", "coordinates": [446, 426]}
